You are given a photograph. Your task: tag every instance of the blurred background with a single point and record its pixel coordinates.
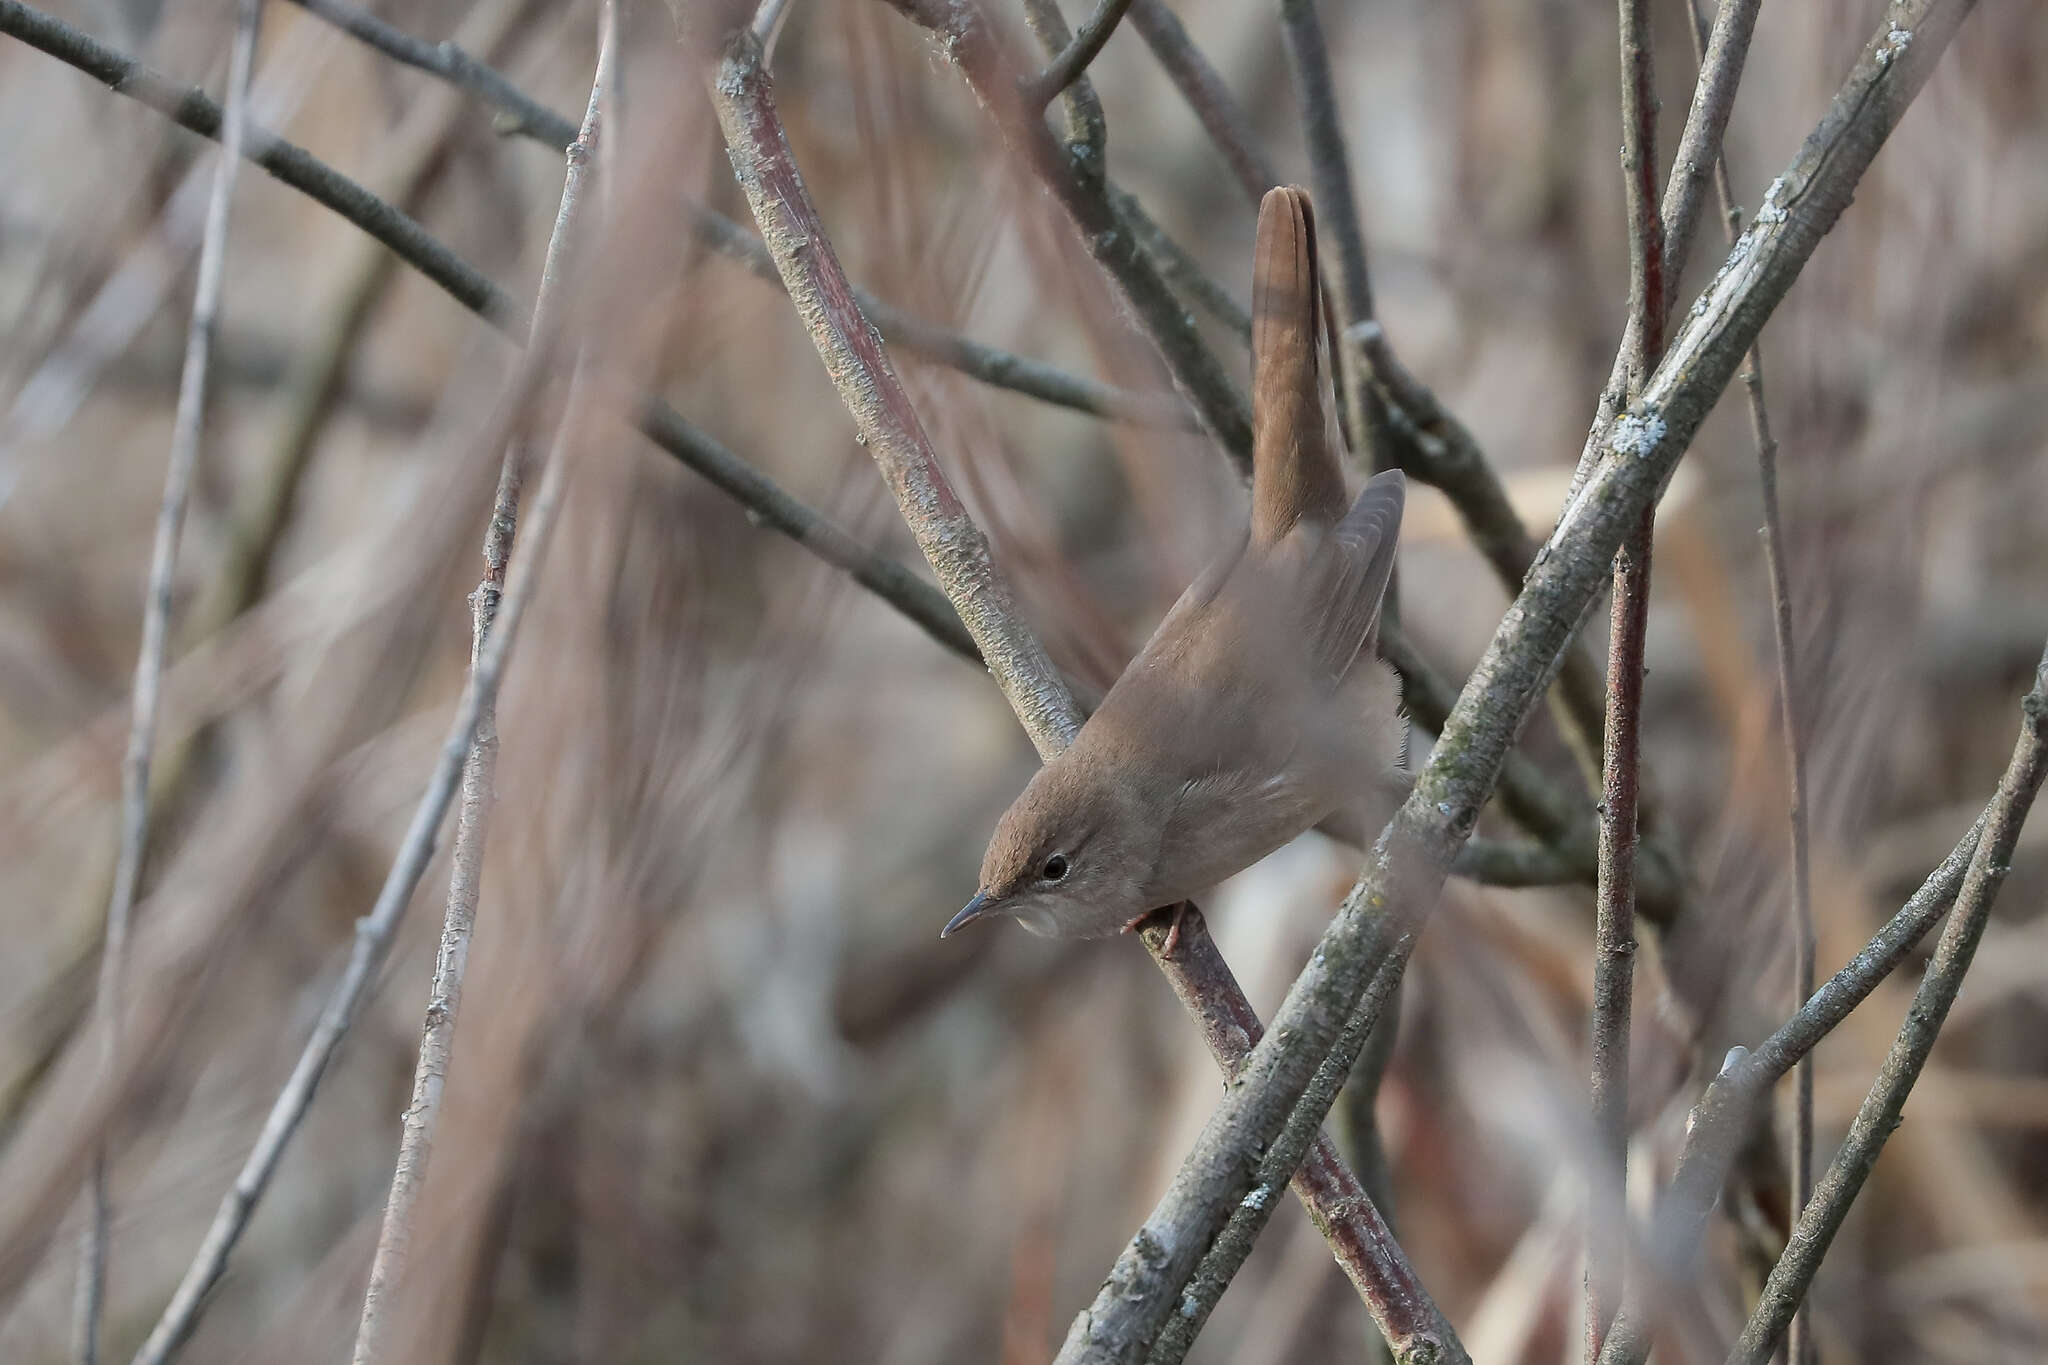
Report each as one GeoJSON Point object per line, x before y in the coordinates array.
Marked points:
{"type": "Point", "coordinates": [718, 1091]}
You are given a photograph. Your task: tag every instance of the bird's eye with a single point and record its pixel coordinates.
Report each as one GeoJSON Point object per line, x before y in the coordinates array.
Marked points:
{"type": "Point", "coordinates": [1055, 867]}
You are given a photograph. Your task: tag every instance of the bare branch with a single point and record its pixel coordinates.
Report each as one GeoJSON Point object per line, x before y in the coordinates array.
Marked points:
{"type": "Point", "coordinates": [1883, 1107]}
{"type": "Point", "coordinates": [989, 364]}
{"type": "Point", "coordinates": [465, 878]}
{"type": "Point", "coordinates": [1067, 67]}
{"type": "Point", "coordinates": [1614, 942]}
{"type": "Point", "coordinates": [376, 930]}
{"type": "Point", "coordinates": [1719, 54]}
{"type": "Point", "coordinates": [1329, 1005]}
{"type": "Point", "coordinates": [766, 170]}
{"type": "Point", "coordinates": [766, 502]}
{"type": "Point", "coordinates": [882, 411]}
{"type": "Point", "coordinates": [1720, 1122]}
{"type": "Point", "coordinates": [1082, 191]}
{"type": "Point", "coordinates": [186, 429]}
{"type": "Point", "coordinates": [1699, 147]}
{"type": "Point", "coordinates": [526, 117]}
{"type": "Point", "coordinates": [1206, 94]}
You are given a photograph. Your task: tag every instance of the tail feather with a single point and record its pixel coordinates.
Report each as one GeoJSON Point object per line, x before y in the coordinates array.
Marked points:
{"type": "Point", "coordinates": [1294, 464]}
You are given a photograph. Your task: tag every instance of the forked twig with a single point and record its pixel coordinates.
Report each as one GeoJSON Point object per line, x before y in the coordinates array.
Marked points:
{"type": "Point", "coordinates": [186, 429]}
{"type": "Point", "coordinates": [374, 931]}
{"type": "Point", "coordinates": [1064, 69]}
{"type": "Point", "coordinates": [1882, 1108]}
{"type": "Point", "coordinates": [1720, 1122]}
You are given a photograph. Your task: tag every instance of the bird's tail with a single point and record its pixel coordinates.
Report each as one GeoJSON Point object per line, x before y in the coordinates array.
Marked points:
{"type": "Point", "coordinates": [1294, 460]}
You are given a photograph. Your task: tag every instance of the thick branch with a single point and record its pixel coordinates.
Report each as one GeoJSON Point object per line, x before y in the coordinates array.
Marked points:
{"type": "Point", "coordinates": [765, 168]}
{"type": "Point", "coordinates": [1374, 929]}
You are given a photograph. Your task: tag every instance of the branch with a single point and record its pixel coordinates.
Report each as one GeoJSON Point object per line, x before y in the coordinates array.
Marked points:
{"type": "Point", "coordinates": [1720, 1123]}
{"type": "Point", "coordinates": [1699, 146]}
{"type": "Point", "coordinates": [1206, 94]}
{"type": "Point", "coordinates": [1374, 930]}
{"type": "Point", "coordinates": [523, 116]}
{"type": "Point", "coordinates": [465, 878]}
{"type": "Point", "coordinates": [1884, 1106]}
{"type": "Point", "coordinates": [1067, 67]}
{"type": "Point", "coordinates": [1392, 417]}
{"type": "Point", "coordinates": [766, 502]}
{"type": "Point", "coordinates": [374, 932]}
{"type": "Point", "coordinates": [1614, 942]}
{"type": "Point", "coordinates": [186, 429]}
{"type": "Point", "coordinates": [1736, 33]}
{"type": "Point", "coordinates": [882, 411]}
{"type": "Point", "coordinates": [1082, 191]}
{"type": "Point", "coordinates": [766, 170]}
{"type": "Point", "coordinates": [989, 364]}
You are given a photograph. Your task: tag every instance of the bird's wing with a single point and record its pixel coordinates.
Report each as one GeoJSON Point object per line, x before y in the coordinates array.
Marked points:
{"type": "Point", "coordinates": [1349, 572]}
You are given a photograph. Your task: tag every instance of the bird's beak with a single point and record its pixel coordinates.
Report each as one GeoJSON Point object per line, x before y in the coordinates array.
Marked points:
{"type": "Point", "coordinates": [978, 908]}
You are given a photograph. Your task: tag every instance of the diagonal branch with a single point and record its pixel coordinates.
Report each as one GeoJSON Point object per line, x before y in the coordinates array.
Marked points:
{"type": "Point", "coordinates": [1721, 1121]}
{"type": "Point", "coordinates": [1699, 147]}
{"type": "Point", "coordinates": [766, 502]}
{"type": "Point", "coordinates": [527, 117]}
{"type": "Point", "coordinates": [1330, 1005]}
{"type": "Point", "coordinates": [1206, 94]}
{"type": "Point", "coordinates": [1064, 69]}
{"type": "Point", "coordinates": [1883, 1107]}
{"type": "Point", "coordinates": [186, 430]}
{"type": "Point", "coordinates": [479, 768]}
{"type": "Point", "coordinates": [1082, 191]}
{"type": "Point", "coordinates": [859, 367]}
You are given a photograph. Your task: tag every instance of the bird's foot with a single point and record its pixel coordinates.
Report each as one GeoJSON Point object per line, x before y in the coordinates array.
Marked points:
{"type": "Point", "coordinates": [1177, 911]}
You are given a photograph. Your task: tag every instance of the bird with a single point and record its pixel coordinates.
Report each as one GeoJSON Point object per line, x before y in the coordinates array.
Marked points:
{"type": "Point", "coordinates": [1259, 708]}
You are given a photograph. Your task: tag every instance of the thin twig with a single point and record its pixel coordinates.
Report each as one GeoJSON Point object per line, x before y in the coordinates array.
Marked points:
{"type": "Point", "coordinates": [766, 502]}
{"type": "Point", "coordinates": [1083, 193]}
{"type": "Point", "coordinates": [374, 931]}
{"type": "Point", "coordinates": [989, 364]}
{"type": "Point", "coordinates": [1206, 94]}
{"type": "Point", "coordinates": [766, 169]}
{"type": "Point", "coordinates": [186, 429]}
{"type": "Point", "coordinates": [465, 878]}
{"type": "Point", "coordinates": [1179, 267]}
{"type": "Point", "coordinates": [1373, 932]}
{"type": "Point", "coordinates": [1774, 561]}
{"type": "Point", "coordinates": [1720, 1122]}
{"type": "Point", "coordinates": [524, 116]}
{"type": "Point", "coordinates": [1699, 147]}
{"type": "Point", "coordinates": [1063, 70]}
{"type": "Point", "coordinates": [1883, 1107]}
{"type": "Point", "coordinates": [1736, 31]}
{"type": "Point", "coordinates": [1614, 942]}
{"type": "Point", "coordinates": [882, 411]}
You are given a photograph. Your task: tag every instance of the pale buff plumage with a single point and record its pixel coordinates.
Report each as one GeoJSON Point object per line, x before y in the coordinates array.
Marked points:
{"type": "Point", "coordinates": [1257, 710]}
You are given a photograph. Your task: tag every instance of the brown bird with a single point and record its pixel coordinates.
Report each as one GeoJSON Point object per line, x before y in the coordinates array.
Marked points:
{"type": "Point", "coordinates": [1258, 709]}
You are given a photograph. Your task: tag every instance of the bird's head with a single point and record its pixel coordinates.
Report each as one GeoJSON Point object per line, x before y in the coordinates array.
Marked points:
{"type": "Point", "coordinates": [1067, 860]}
